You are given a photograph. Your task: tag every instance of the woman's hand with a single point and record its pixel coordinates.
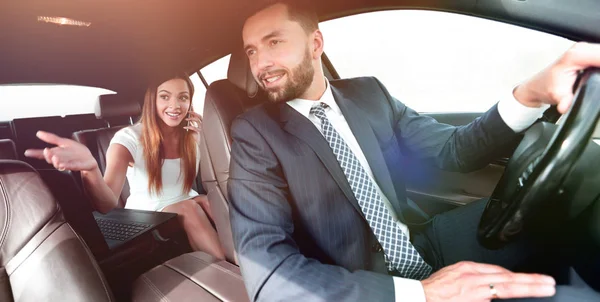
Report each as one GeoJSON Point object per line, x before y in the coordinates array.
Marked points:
{"type": "Point", "coordinates": [67, 155]}
{"type": "Point", "coordinates": [195, 125]}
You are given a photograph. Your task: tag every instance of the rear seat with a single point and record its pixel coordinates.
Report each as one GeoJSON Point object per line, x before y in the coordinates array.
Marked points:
{"type": "Point", "coordinates": [109, 108]}
{"type": "Point", "coordinates": [195, 272]}
{"type": "Point", "coordinates": [193, 276]}
{"type": "Point", "coordinates": [41, 258]}
{"type": "Point", "coordinates": [8, 150]}
{"type": "Point", "coordinates": [190, 277]}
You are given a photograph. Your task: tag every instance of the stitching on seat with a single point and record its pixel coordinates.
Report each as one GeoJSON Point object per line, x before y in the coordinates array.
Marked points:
{"type": "Point", "coordinates": [8, 214]}
{"type": "Point", "coordinates": [215, 266]}
{"type": "Point", "coordinates": [154, 289]}
{"type": "Point", "coordinates": [52, 218]}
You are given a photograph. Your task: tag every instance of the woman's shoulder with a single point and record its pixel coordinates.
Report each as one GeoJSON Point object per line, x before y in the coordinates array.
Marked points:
{"type": "Point", "coordinates": [133, 131]}
{"type": "Point", "coordinates": [128, 137]}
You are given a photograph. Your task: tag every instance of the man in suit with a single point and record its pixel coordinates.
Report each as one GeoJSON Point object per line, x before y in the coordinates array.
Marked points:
{"type": "Point", "coordinates": [318, 204]}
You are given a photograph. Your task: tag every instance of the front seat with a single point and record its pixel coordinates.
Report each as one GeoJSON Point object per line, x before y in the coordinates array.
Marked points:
{"type": "Point", "coordinates": [225, 100]}
{"type": "Point", "coordinates": [41, 257]}
{"type": "Point", "coordinates": [190, 276]}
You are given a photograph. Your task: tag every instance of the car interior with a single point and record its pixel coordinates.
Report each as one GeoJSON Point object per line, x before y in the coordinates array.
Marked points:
{"type": "Point", "coordinates": [55, 247]}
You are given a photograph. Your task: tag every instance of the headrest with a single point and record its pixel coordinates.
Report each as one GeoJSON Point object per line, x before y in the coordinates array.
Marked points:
{"type": "Point", "coordinates": [114, 105]}
{"type": "Point", "coordinates": [240, 75]}
{"type": "Point", "coordinates": [8, 149]}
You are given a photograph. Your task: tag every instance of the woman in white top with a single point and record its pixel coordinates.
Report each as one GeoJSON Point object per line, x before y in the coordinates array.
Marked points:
{"type": "Point", "coordinates": [159, 156]}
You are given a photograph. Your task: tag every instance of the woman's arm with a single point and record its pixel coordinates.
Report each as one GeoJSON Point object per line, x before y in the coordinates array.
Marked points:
{"type": "Point", "coordinates": [105, 191]}
{"type": "Point", "coordinates": [71, 155]}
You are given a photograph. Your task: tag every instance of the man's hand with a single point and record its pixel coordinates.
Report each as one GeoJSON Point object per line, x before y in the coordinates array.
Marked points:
{"type": "Point", "coordinates": [67, 155]}
{"type": "Point", "coordinates": [469, 281]}
{"type": "Point", "coordinates": [554, 85]}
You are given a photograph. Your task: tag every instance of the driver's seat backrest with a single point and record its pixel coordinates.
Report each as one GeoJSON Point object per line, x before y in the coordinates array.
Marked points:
{"type": "Point", "coordinates": [109, 108]}
{"type": "Point", "coordinates": [225, 100]}
{"type": "Point", "coordinates": [41, 257]}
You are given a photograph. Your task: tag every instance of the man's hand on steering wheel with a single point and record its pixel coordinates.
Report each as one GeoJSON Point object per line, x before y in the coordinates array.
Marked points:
{"type": "Point", "coordinates": [554, 85]}
{"type": "Point", "coordinates": [535, 176]}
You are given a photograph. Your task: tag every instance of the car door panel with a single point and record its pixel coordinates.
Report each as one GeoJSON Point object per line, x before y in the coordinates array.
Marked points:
{"type": "Point", "coordinates": [436, 190]}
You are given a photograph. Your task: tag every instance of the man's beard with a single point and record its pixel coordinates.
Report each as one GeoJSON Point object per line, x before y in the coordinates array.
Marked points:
{"type": "Point", "coordinates": [299, 80]}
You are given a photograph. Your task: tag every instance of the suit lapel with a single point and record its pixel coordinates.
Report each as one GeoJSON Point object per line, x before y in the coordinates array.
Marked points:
{"type": "Point", "coordinates": [299, 126]}
{"type": "Point", "coordinates": [363, 132]}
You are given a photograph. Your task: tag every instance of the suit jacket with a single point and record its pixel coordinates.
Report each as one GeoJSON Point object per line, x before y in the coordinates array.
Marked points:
{"type": "Point", "coordinates": [298, 229]}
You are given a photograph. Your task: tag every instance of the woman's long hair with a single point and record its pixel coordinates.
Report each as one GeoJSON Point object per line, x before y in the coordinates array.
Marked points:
{"type": "Point", "coordinates": [152, 142]}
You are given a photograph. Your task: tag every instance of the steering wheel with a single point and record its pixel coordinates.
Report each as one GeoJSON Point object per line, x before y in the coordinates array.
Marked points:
{"type": "Point", "coordinates": [533, 183]}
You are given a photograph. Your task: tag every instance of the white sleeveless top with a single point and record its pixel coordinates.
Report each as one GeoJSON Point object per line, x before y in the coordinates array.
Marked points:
{"type": "Point", "coordinates": [172, 179]}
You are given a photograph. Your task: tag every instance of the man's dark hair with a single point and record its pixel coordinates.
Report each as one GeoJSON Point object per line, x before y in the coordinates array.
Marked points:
{"type": "Point", "coordinates": [298, 11]}
{"type": "Point", "coordinates": [304, 14]}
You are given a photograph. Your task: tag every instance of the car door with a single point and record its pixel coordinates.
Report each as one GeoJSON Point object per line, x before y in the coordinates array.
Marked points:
{"type": "Point", "coordinates": [453, 71]}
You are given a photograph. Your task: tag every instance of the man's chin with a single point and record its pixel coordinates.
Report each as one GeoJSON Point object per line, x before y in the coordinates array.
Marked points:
{"type": "Point", "coordinates": [276, 96]}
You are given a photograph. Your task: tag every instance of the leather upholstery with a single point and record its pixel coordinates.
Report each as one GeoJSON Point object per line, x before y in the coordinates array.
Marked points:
{"type": "Point", "coordinates": [191, 277]}
{"type": "Point", "coordinates": [98, 140]}
{"type": "Point", "coordinates": [41, 257]}
{"type": "Point", "coordinates": [223, 103]}
{"type": "Point", "coordinates": [8, 150]}
{"type": "Point", "coordinates": [216, 121]}
{"type": "Point", "coordinates": [115, 105]}
{"type": "Point", "coordinates": [241, 75]}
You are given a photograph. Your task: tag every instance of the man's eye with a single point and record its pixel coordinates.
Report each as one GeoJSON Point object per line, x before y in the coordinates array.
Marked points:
{"type": "Point", "coordinates": [250, 52]}
{"type": "Point", "coordinates": [275, 42]}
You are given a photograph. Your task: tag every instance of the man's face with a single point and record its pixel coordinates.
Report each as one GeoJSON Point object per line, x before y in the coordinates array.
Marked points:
{"type": "Point", "coordinates": [278, 50]}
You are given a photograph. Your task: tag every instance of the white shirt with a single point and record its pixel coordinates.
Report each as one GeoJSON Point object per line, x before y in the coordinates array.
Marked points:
{"type": "Point", "coordinates": [137, 176]}
{"type": "Point", "coordinates": [517, 116]}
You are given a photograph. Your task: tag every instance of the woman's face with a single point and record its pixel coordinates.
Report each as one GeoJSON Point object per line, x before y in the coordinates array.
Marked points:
{"type": "Point", "coordinates": [173, 102]}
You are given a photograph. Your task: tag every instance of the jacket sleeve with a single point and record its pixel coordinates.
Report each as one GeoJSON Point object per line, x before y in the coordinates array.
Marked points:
{"type": "Point", "coordinates": [262, 224]}
{"type": "Point", "coordinates": [463, 149]}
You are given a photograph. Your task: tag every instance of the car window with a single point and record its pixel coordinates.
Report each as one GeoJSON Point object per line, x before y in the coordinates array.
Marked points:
{"type": "Point", "coordinates": [214, 71]}
{"type": "Point", "coordinates": [436, 61]}
{"type": "Point", "coordinates": [37, 100]}
{"type": "Point", "coordinates": [199, 93]}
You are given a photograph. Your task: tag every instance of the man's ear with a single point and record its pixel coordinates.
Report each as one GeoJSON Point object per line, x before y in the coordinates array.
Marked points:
{"type": "Point", "coordinates": [318, 44]}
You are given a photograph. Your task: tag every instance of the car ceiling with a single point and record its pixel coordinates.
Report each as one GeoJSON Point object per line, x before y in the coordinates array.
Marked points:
{"type": "Point", "coordinates": [132, 42]}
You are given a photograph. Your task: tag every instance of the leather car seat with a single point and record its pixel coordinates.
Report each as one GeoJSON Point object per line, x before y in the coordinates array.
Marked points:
{"type": "Point", "coordinates": [225, 100]}
{"type": "Point", "coordinates": [41, 257]}
{"type": "Point", "coordinates": [190, 276]}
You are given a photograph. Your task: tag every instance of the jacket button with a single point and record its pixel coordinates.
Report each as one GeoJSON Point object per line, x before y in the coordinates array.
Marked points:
{"type": "Point", "coordinates": [377, 248]}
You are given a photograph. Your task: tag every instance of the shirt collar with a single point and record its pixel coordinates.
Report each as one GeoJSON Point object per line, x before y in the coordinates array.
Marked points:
{"type": "Point", "coordinates": [303, 106]}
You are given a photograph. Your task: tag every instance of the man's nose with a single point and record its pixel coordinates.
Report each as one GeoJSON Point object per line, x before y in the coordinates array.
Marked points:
{"type": "Point", "coordinates": [263, 61]}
